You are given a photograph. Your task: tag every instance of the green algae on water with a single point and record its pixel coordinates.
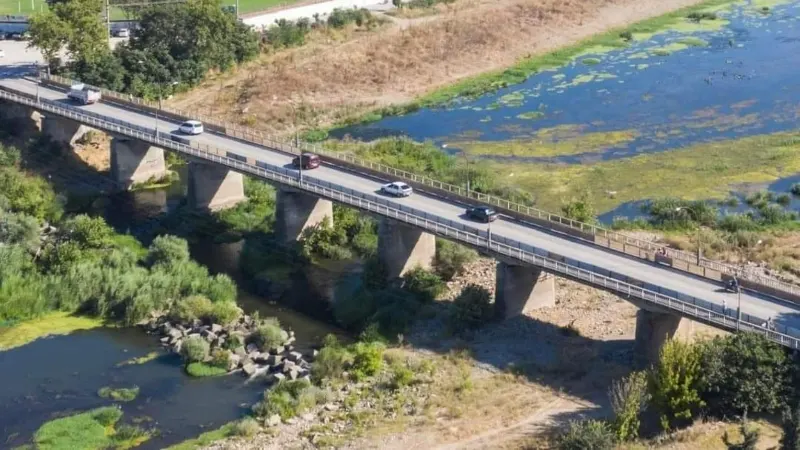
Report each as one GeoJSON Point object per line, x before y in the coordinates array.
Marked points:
{"type": "Point", "coordinates": [530, 115]}
{"type": "Point", "coordinates": [591, 61]}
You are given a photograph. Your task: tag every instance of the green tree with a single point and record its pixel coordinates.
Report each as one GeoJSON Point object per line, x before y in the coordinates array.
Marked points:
{"type": "Point", "coordinates": [744, 372]}
{"type": "Point", "coordinates": [674, 383]}
{"type": "Point", "coordinates": [86, 37]}
{"type": "Point", "coordinates": [580, 209]}
{"type": "Point", "coordinates": [451, 258]}
{"type": "Point", "coordinates": [425, 285]}
{"type": "Point", "coordinates": [628, 399]}
{"type": "Point", "coordinates": [88, 232]}
{"type": "Point", "coordinates": [791, 429]}
{"type": "Point", "coordinates": [168, 250]}
{"type": "Point", "coordinates": [472, 308]}
{"type": "Point", "coordinates": [587, 435]}
{"type": "Point", "coordinates": [49, 34]}
{"type": "Point", "coordinates": [20, 229]}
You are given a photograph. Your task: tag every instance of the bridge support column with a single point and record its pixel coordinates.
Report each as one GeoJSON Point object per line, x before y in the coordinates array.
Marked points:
{"type": "Point", "coordinates": [297, 211]}
{"type": "Point", "coordinates": [63, 131]}
{"type": "Point", "coordinates": [521, 289]}
{"type": "Point", "coordinates": [135, 162]}
{"type": "Point", "coordinates": [213, 187]}
{"type": "Point", "coordinates": [402, 248]}
{"type": "Point", "coordinates": [653, 329]}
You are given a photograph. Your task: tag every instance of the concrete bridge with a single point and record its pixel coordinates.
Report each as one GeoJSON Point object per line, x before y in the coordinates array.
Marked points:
{"type": "Point", "coordinates": [670, 291]}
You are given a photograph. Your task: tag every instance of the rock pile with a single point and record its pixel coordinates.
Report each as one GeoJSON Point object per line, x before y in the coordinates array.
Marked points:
{"type": "Point", "coordinates": [237, 342]}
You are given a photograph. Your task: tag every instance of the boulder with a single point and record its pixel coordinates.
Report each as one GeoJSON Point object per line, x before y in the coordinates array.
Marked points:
{"type": "Point", "coordinates": [314, 354]}
{"type": "Point", "coordinates": [293, 373]}
{"type": "Point", "coordinates": [249, 369]}
{"type": "Point", "coordinates": [331, 407]}
{"type": "Point", "coordinates": [278, 350]}
{"type": "Point", "coordinates": [216, 328]}
{"type": "Point", "coordinates": [165, 339]}
{"type": "Point", "coordinates": [251, 348]}
{"type": "Point", "coordinates": [210, 337]}
{"type": "Point", "coordinates": [273, 420]}
{"type": "Point", "coordinates": [260, 358]}
{"type": "Point", "coordinates": [274, 360]}
{"type": "Point", "coordinates": [175, 333]}
{"type": "Point", "coordinates": [286, 366]}
{"type": "Point", "coordinates": [240, 351]}
{"type": "Point", "coordinates": [278, 377]}
{"type": "Point", "coordinates": [176, 347]}
{"type": "Point", "coordinates": [289, 341]}
{"type": "Point", "coordinates": [233, 362]}
{"type": "Point", "coordinates": [294, 357]}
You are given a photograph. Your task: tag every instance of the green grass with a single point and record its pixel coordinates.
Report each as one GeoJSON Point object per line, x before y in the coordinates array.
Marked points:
{"type": "Point", "coordinates": [549, 142]}
{"type": "Point", "coordinates": [205, 439]}
{"type": "Point", "coordinates": [95, 429]}
{"type": "Point", "coordinates": [140, 360]}
{"type": "Point", "coordinates": [119, 394]}
{"type": "Point", "coordinates": [697, 172]}
{"type": "Point", "coordinates": [198, 369]}
{"type": "Point", "coordinates": [49, 324]}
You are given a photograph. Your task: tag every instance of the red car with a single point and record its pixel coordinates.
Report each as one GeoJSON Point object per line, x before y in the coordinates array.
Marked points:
{"type": "Point", "coordinates": [310, 161]}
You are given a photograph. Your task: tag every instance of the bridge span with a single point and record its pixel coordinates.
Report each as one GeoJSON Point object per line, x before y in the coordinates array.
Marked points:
{"type": "Point", "coordinates": [528, 251]}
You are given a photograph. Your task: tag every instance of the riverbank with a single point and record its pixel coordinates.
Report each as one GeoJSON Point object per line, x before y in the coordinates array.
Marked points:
{"type": "Point", "coordinates": [395, 65]}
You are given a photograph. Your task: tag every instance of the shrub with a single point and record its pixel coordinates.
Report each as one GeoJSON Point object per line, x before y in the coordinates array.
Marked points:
{"type": "Point", "coordinates": [471, 308]}
{"type": "Point", "coordinates": [367, 360]}
{"type": "Point", "coordinates": [340, 18]}
{"type": "Point", "coordinates": [325, 241]}
{"type": "Point", "coordinates": [168, 250]}
{"type": "Point", "coordinates": [783, 200]}
{"type": "Point", "coordinates": [190, 309]}
{"type": "Point", "coordinates": [246, 427]}
{"type": "Point", "coordinates": [750, 436]}
{"type": "Point", "coordinates": [451, 258]}
{"type": "Point", "coordinates": [194, 349]}
{"type": "Point", "coordinates": [220, 358]}
{"type": "Point", "coordinates": [674, 383]}
{"type": "Point", "coordinates": [288, 399]}
{"type": "Point", "coordinates": [626, 36]}
{"type": "Point", "coordinates": [580, 209]}
{"type": "Point", "coordinates": [587, 435]}
{"type": "Point", "coordinates": [269, 335]}
{"type": "Point", "coordinates": [331, 361]}
{"type": "Point", "coordinates": [423, 284]}
{"type": "Point", "coordinates": [287, 33]}
{"type": "Point", "coordinates": [401, 376]}
{"type": "Point", "coordinates": [628, 399]}
{"type": "Point", "coordinates": [107, 416]}
{"type": "Point", "coordinates": [744, 373]}
{"type": "Point", "coordinates": [224, 313]}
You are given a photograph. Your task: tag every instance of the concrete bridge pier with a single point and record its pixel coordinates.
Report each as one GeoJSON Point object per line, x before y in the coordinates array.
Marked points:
{"type": "Point", "coordinates": [63, 131]}
{"type": "Point", "coordinates": [213, 187]}
{"type": "Point", "coordinates": [653, 329]}
{"type": "Point", "coordinates": [135, 161]}
{"type": "Point", "coordinates": [297, 211]}
{"type": "Point", "coordinates": [402, 248]}
{"type": "Point", "coordinates": [521, 289]}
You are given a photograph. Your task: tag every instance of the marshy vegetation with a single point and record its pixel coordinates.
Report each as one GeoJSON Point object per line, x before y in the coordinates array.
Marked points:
{"type": "Point", "coordinates": [98, 428]}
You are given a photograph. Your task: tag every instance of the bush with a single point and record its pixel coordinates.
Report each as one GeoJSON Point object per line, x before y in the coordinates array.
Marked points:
{"type": "Point", "coordinates": [220, 358]}
{"type": "Point", "coordinates": [120, 394]}
{"type": "Point", "coordinates": [674, 382]}
{"type": "Point", "coordinates": [168, 250]}
{"type": "Point", "coordinates": [423, 284]}
{"type": "Point", "coordinates": [367, 360]}
{"type": "Point", "coordinates": [580, 209]}
{"type": "Point", "coordinates": [783, 200]}
{"type": "Point", "coordinates": [744, 373]}
{"type": "Point", "coordinates": [247, 427]}
{"type": "Point", "coordinates": [224, 313]}
{"type": "Point", "coordinates": [331, 361]}
{"type": "Point", "coordinates": [289, 398]}
{"type": "Point", "coordinates": [451, 258]}
{"type": "Point", "coordinates": [269, 335]}
{"type": "Point", "coordinates": [628, 399]}
{"type": "Point", "coordinates": [750, 436]}
{"type": "Point", "coordinates": [195, 349]}
{"type": "Point", "coordinates": [325, 241]}
{"type": "Point", "coordinates": [400, 376]}
{"type": "Point", "coordinates": [287, 33]}
{"type": "Point", "coordinates": [472, 308]}
{"type": "Point", "coordinates": [340, 18]}
{"type": "Point", "coordinates": [587, 435]}
{"type": "Point", "coordinates": [190, 309]}
{"type": "Point", "coordinates": [626, 36]}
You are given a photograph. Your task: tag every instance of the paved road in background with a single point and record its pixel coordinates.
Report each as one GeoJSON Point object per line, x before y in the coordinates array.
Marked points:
{"type": "Point", "coordinates": [782, 312]}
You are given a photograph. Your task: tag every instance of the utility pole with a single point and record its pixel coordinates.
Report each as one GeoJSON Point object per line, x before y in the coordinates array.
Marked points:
{"type": "Point", "coordinates": [108, 23]}
{"type": "Point", "coordinates": [237, 9]}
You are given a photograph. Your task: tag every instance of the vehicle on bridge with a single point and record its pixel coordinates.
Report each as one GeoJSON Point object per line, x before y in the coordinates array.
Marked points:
{"type": "Point", "coordinates": [310, 161]}
{"type": "Point", "coordinates": [397, 188]}
{"type": "Point", "coordinates": [83, 94]}
{"type": "Point", "coordinates": [193, 127]}
{"type": "Point", "coordinates": [482, 214]}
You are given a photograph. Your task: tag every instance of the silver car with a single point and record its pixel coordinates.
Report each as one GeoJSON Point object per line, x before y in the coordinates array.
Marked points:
{"type": "Point", "coordinates": [397, 188]}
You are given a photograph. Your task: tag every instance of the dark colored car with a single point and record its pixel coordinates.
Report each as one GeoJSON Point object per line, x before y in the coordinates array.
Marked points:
{"type": "Point", "coordinates": [482, 213]}
{"type": "Point", "coordinates": [310, 161]}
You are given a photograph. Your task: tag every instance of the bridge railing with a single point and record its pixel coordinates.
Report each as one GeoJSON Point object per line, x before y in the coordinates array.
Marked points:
{"type": "Point", "coordinates": [643, 249]}
{"type": "Point", "coordinates": [687, 306]}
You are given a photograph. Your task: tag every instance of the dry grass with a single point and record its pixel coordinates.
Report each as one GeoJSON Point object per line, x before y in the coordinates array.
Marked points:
{"type": "Point", "coordinates": [394, 64]}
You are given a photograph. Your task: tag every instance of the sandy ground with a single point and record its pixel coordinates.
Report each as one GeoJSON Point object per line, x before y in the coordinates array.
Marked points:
{"type": "Point", "coordinates": [342, 77]}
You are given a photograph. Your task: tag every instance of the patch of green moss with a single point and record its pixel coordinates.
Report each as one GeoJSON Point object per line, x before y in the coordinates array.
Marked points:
{"type": "Point", "coordinates": [92, 430]}
{"type": "Point", "coordinates": [140, 359]}
{"type": "Point", "coordinates": [119, 394]}
{"type": "Point", "coordinates": [692, 41]}
{"type": "Point", "coordinates": [591, 61]}
{"type": "Point", "coordinates": [199, 369]}
{"type": "Point", "coordinates": [551, 142]}
{"type": "Point", "coordinates": [531, 115]}
{"type": "Point", "coordinates": [49, 324]}
{"type": "Point", "coordinates": [205, 439]}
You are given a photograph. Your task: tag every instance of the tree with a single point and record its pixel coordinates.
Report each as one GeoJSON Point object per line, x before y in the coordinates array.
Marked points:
{"type": "Point", "coordinates": [451, 258]}
{"type": "Point", "coordinates": [20, 229]}
{"type": "Point", "coordinates": [86, 37]}
{"type": "Point", "coordinates": [744, 373]}
{"type": "Point", "coordinates": [791, 429]}
{"type": "Point", "coordinates": [88, 232]}
{"type": "Point", "coordinates": [580, 209]}
{"type": "Point", "coordinates": [628, 399]}
{"type": "Point", "coordinates": [472, 308]}
{"type": "Point", "coordinates": [674, 383]}
{"type": "Point", "coordinates": [168, 250]}
{"type": "Point", "coordinates": [49, 34]}
{"type": "Point", "coordinates": [423, 284]}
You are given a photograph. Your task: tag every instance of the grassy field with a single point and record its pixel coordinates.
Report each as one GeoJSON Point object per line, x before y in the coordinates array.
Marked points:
{"type": "Point", "coordinates": [701, 171]}
{"type": "Point", "coordinates": [28, 7]}
{"type": "Point", "coordinates": [54, 323]}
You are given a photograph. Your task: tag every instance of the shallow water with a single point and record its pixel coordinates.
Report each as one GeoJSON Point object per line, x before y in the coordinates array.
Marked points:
{"type": "Point", "coordinates": [743, 83]}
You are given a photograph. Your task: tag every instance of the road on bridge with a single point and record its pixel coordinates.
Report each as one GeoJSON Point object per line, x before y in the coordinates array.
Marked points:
{"type": "Point", "coordinates": [783, 313]}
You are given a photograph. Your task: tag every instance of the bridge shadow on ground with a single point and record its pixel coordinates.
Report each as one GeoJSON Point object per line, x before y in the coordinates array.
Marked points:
{"type": "Point", "coordinates": [556, 357]}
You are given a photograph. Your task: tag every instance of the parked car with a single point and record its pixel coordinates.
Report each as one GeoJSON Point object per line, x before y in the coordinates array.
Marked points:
{"type": "Point", "coordinates": [193, 127]}
{"type": "Point", "coordinates": [482, 214]}
{"type": "Point", "coordinates": [16, 36]}
{"type": "Point", "coordinates": [310, 161]}
{"type": "Point", "coordinates": [2, 53]}
{"type": "Point", "coordinates": [83, 94]}
{"type": "Point", "coordinates": [123, 33]}
{"type": "Point", "coordinates": [397, 188]}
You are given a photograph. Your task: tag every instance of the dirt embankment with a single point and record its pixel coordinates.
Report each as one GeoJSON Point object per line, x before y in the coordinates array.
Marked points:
{"type": "Point", "coordinates": [339, 78]}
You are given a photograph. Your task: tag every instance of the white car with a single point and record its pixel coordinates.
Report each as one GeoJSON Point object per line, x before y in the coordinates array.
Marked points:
{"type": "Point", "coordinates": [2, 53]}
{"type": "Point", "coordinates": [397, 188]}
{"type": "Point", "coordinates": [191, 127]}
{"type": "Point", "coordinates": [123, 33]}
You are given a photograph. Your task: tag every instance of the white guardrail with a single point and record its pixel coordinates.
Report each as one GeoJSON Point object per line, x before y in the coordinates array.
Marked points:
{"type": "Point", "coordinates": [256, 137]}
{"type": "Point", "coordinates": [684, 305]}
